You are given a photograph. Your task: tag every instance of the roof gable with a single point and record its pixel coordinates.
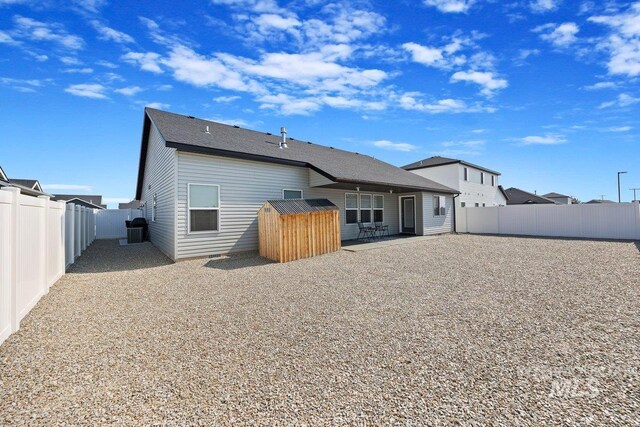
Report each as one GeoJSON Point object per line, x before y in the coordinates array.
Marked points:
{"type": "Point", "coordinates": [443, 161]}
{"type": "Point", "coordinates": [516, 196]}
{"type": "Point", "coordinates": [34, 184]}
{"type": "Point", "coordinates": [187, 133]}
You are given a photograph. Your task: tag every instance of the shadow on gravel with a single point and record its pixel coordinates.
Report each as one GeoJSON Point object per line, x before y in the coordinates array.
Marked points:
{"type": "Point", "coordinates": [638, 245]}
{"type": "Point", "coordinates": [105, 256]}
{"type": "Point", "coordinates": [238, 261]}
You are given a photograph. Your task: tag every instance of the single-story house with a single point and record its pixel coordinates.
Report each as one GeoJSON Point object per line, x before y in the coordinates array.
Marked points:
{"type": "Point", "coordinates": [516, 196]}
{"type": "Point", "coordinates": [28, 187]}
{"type": "Point", "coordinates": [559, 198]}
{"type": "Point", "coordinates": [201, 184]}
{"type": "Point", "coordinates": [29, 183]}
{"type": "Point", "coordinates": [88, 201]}
{"type": "Point", "coordinates": [598, 201]}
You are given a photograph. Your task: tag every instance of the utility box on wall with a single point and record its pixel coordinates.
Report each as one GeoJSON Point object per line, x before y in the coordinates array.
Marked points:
{"type": "Point", "coordinates": [295, 229]}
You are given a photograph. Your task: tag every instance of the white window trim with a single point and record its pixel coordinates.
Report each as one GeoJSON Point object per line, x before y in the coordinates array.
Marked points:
{"type": "Point", "coordinates": [373, 204]}
{"type": "Point", "coordinates": [415, 220]}
{"type": "Point", "coordinates": [493, 180]}
{"type": "Point", "coordinates": [189, 209]}
{"type": "Point", "coordinates": [482, 178]}
{"type": "Point", "coordinates": [440, 198]}
{"type": "Point", "coordinates": [357, 209]}
{"type": "Point", "coordinates": [360, 209]}
{"type": "Point", "coordinates": [293, 189]}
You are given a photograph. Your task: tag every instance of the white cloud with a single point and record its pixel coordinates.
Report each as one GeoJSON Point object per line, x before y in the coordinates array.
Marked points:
{"type": "Point", "coordinates": [548, 139]}
{"type": "Point", "coordinates": [260, 6]}
{"type": "Point", "coordinates": [95, 91]}
{"type": "Point", "coordinates": [39, 31]}
{"type": "Point", "coordinates": [601, 85]}
{"type": "Point", "coordinates": [85, 70]}
{"type": "Point", "coordinates": [623, 43]}
{"type": "Point", "coordinates": [109, 34]}
{"type": "Point", "coordinates": [561, 35]}
{"type": "Point", "coordinates": [129, 91]}
{"type": "Point", "coordinates": [540, 6]}
{"type": "Point", "coordinates": [90, 5]}
{"type": "Point", "coordinates": [22, 85]}
{"type": "Point", "coordinates": [395, 146]}
{"type": "Point", "coordinates": [226, 99]}
{"type": "Point", "coordinates": [410, 101]}
{"type": "Point", "coordinates": [619, 129]}
{"type": "Point", "coordinates": [5, 38]}
{"type": "Point", "coordinates": [157, 105]}
{"type": "Point", "coordinates": [148, 61]}
{"type": "Point", "coordinates": [623, 100]}
{"type": "Point", "coordinates": [66, 187]}
{"type": "Point", "coordinates": [69, 60]}
{"type": "Point", "coordinates": [478, 131]}
{"type": "Point", "coordinates": [425, 55]}
{"type": "Point", "coordinates": [288, 105]}
{"type": "Point", "coordinates": [489, 82]}
{"type": "Point", "coordinates": [451, 6]}
{"type": "Point", "coordinates": [269, 21]}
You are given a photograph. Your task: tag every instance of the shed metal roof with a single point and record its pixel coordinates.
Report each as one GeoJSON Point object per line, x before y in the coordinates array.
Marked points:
{"type": "Point", "coordinates": [187, 133]}
{"type": "Point", "coordinates": [291, 206]}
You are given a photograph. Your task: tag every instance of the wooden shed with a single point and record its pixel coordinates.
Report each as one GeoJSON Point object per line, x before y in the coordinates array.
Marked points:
{"type": "Point", "coordinates": [295, 229]}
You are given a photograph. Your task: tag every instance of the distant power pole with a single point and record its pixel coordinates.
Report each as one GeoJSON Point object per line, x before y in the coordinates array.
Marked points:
{"type": "Point", "coordinates": [619, 173]}
{"type": "Point", "coordinates": [602, 197]}
{"type": "Point", "coordinates": [634, 192]}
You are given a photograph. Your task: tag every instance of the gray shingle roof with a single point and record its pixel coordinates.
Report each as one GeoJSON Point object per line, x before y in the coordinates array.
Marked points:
{"type": "Point", "coordinates": [298, 205]}
{"type": "Point", "coordinates": [26, 182]}
{"type": "Point", "coordinates": [517, 196]}
{"type": "Point", "coordinates": [441, 161]}
{"type": "Point", "coordinates": [188, 133]}
{"type": "Point", "coordinates": [598, 201]}
{"type": "Point", "coordinates": [555, 196]}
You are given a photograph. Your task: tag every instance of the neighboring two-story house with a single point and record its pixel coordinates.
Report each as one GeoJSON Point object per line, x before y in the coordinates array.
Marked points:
{"type": "Point", "coordinates": [559, 198]}
{"type": "Point", "coordinates": [478, 186]}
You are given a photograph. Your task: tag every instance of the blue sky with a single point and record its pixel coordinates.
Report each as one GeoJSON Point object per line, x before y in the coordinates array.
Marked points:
{"type": "Point", "coordinates": [545, 91]}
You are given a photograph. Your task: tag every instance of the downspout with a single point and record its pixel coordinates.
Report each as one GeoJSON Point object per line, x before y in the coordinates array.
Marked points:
{"type": "Point", "coordinates": [454, 213]}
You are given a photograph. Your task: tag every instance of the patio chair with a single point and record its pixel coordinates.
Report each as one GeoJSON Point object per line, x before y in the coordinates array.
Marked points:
{"type": "Point", "coordinates": [382, 229]}
{"type": "Point", "coordinates": [365, 232]}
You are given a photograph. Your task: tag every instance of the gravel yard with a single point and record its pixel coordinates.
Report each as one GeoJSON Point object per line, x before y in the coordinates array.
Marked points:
{"type": "Point", "coordinates": [458, 330]}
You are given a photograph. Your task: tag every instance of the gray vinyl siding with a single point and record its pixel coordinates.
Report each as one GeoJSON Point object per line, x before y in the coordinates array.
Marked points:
{"type": "Point", "coordinates": [437, 224]}
{"type": "Point", "coordinates": [244, 186]}
{"type": "Point", "coordinates": [159, 175]}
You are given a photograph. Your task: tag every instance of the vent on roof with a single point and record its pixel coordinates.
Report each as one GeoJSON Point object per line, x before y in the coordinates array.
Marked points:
{"type": "Point", "coordinates": [283, 141]}
{"type": "Point", "coordinates": [236, 126]}
{"type": "Point", "coordinates": [269, 133]}
{"type": "Point", "coordinates": [206, 129]}
{"type": "Point", "coordinates": [191, 117]}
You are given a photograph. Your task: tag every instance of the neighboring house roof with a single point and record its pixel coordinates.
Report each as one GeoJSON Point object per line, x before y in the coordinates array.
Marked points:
{"type": "Point", "coordinates": [300, 206]}
{"type": "Point", "coordinates": [595, 201]}
{"type": "Point", "coordinates": [20, 183]}
{"type": "Point", "coordinates": [3, 176]}
{"type": "Point", "coordinates": [92, 200]}
{"type": "Point", "coordinates": [134, 204]}
{"type": "Point", "coordinates": [85, 203]}
{"type": "Point", "coordinates": [504, 193]}
{"type": "Point", "coordinates": [516, 196]}
{"type": "Point", "coordinates": [31, 183]}
{"type": "Point", "coordinates": [555, 196]}
{"type": "Point", "coordinates": [441, 161]}
{"type": "Point", "coordinates": [344, 168]}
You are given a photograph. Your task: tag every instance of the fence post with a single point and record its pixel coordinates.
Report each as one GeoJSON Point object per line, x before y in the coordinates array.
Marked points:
{"type": "Point", "coordinates": [63, 234]}
{"type": "Point", "coordinates": [13, 263]}
{"type": "Point", "coordinates": [44, 244]}
{"type": "Point", "coordinates": [70, 233]}
{"type": "Point", "coordinates": [77, 247]}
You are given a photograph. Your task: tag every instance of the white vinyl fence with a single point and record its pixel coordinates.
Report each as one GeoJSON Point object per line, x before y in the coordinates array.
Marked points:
{"type": "Point", "coordinates": [593, 221]}
{"type": "Point", "coordinates": [110, 223]}
{"type": "Point", "coordinates": [37, 241]}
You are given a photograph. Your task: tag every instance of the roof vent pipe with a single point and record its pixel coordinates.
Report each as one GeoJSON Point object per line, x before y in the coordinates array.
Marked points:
{"type": "Point", "coordinates": [283, 141]}
{"type": "Point", "coordinates": [206, 129]}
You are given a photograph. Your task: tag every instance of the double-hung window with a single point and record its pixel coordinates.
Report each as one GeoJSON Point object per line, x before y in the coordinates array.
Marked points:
{"type": "Point", "coordinates": [291, 194]}
{"type": "Point", "coordinates": [204, 207]}
{"type": "Point", "coordinates": [493, 180]}
{"type": "Point", "coordinates": [466, 174]}
{"type": "Point", "coordinates": [351, 208]}
{"type": "Point", "coordinates": [378, 208]}
{"type": "Point", "coordinates": [481, 177]}
{"type": "Point", "coordinates": [365, 208]}
{"type": "Point", "coordinates": [439, 203]}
